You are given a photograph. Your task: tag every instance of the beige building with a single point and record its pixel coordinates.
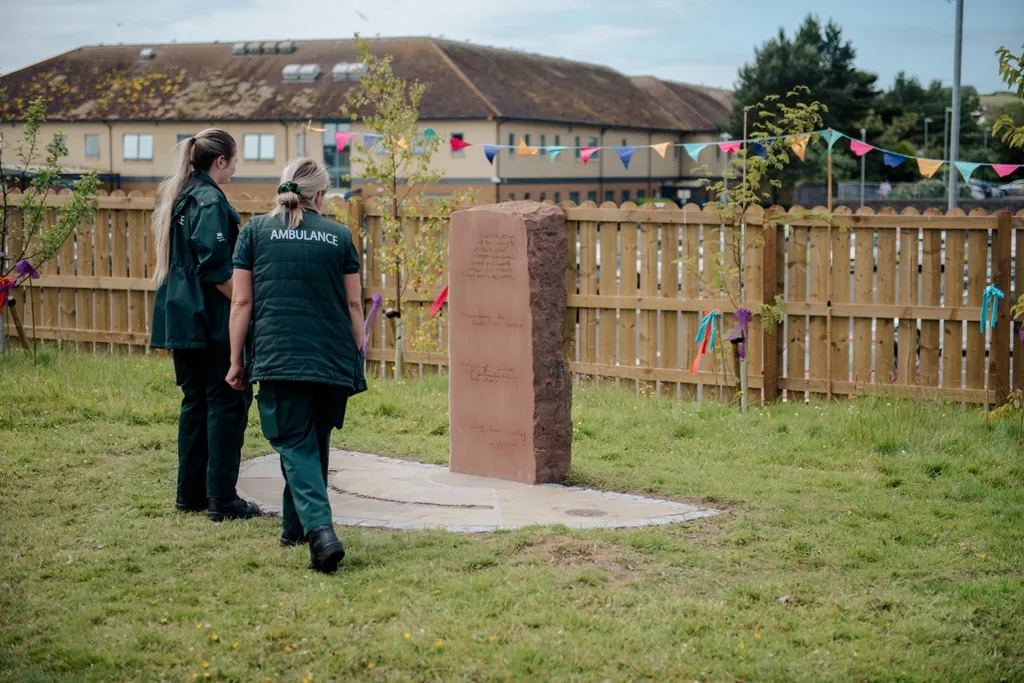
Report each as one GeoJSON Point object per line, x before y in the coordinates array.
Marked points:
{"type": "Point", "coordinates": [124, 108]}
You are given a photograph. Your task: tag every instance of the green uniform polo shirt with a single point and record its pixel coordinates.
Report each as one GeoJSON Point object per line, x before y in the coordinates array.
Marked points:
{"type": "Point", "coordinates": [301, 331]}
{"type": "Point", "coordinates": [188, 310]}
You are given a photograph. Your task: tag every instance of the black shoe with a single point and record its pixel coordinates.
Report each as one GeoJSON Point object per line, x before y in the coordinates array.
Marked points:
{"type": "Point", "coordinates": [325, 550]}
{"type": "Point", "coordinates": [222, 510]}
{"type": "Point", "coordinates": [290, 541]}
{"type": "Point", "coordinates": [184, 504]}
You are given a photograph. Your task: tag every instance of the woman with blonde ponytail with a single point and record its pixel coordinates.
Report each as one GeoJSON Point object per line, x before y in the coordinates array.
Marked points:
{"type": "Point", "coordinates": [194, 231]}
{"type": "Point", "coordinates": [297, 281]}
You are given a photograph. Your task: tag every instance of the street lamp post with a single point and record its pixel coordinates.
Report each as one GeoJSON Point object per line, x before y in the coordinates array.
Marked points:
{"type": "Point", "coordinates": [926, 122]}
{"type": "Point", "coordinates": [954, 144]}
{"type": "Point", "coordinates": [945, 140]}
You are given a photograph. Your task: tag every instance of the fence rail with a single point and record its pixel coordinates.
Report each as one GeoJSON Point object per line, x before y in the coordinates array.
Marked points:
{"type": "Point", "coordinates": [886, 304]}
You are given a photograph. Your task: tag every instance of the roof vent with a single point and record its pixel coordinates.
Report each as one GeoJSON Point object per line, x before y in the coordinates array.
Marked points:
{"type": "Point", "coordinates": [147, 54]}
{"type": "Point", "coordinates": [300, 73]}
{"type": "Point", "coordinates": [238, 49]}
{"type": "Point", "coordinates": [268, 48]}
{"type": "Point", "coordinates": [348, 72]}
{"type": "Point", "coordinates": [286, 47]}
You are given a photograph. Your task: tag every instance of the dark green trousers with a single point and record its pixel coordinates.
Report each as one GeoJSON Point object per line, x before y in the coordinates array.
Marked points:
{"type": "Point", "coordinates": [297, 418]}
{"type": "Point", "coordinates": [211, 426]}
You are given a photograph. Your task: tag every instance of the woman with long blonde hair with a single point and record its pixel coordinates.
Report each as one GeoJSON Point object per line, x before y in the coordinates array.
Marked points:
{"type": "Point", "coordinates": [195, 229]}
{"type": "Point", "coordinates": [297, 280]}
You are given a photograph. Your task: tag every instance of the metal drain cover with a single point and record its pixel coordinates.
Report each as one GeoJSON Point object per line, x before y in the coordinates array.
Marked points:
{"type": "Point", "coordinates": [586, 512]}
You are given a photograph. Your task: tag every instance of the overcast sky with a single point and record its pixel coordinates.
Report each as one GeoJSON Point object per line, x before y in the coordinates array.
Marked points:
{"type": "Point", "coordinates": [696, 41]}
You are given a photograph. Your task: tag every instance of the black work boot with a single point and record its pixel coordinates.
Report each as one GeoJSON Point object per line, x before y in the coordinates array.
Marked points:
{"type": "Point", "coordinates": [221, 510]}
{"type": "Point", "coordinates": [288, 541]}
{"type": "Point", "coordinates": [325, 550]}
{"type": "Point", "coordinates": [185, 504]}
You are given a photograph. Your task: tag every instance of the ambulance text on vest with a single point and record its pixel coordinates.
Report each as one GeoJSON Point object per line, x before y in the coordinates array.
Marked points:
{"type": "Point", "coordinates": [307, 235]}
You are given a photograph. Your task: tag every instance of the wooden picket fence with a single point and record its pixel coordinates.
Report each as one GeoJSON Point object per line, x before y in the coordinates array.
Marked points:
{"type": "Point", "coordinates": [874, 303]}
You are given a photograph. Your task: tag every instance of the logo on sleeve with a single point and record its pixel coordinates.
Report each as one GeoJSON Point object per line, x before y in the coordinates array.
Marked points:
{"type": "Point", "coordinates": [220, 237]}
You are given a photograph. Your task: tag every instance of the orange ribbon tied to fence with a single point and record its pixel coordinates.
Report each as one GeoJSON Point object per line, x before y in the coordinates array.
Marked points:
{"type": "Point", "coordinates": [705, 337]}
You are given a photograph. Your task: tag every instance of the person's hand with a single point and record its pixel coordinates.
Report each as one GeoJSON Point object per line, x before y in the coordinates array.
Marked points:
{"type": "Point", "coordinates": [236, 377]}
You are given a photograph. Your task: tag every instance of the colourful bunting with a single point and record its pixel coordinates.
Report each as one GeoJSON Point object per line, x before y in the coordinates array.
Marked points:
{"type": "Point", "coordinates": [369, 139]}
{"type": "Point", "coordinates": [490, 151]}
{"type": "Point", "coordinates": [661, 148]}
{"type": "Point", "coordinates": [928, 167]}
{"type": "Point", "coordinates": [429, 133]}
{"type": "Point", "coordinates": [458, 144]}
{"type": "Point", "coordinates": [694, 149]}
{"type": "Point", "coordinates": [439, 301]}
{"type": "Point", "coordinates": [730, 147]}
{"type": "Point", "coordinates": [1003, 170]}
{"type": "Point", "coordinates": [760, 150]}
{"type": "Point", "coordinates": [523, 151]}
{"type": "Point", "coordinates": [402, 143]}
{"type": "Point", "coordinates": [625, 154]}
{"type": "Point", "coordinates": [966, 168]}
{"type": "Point", "coordinates": [892, 159]}
{"type": "Point", "coordinates": [800, 146]}
{"type": "Point", "coordinates": [341, 140]}
{"type": "Point", "coordinates": [860, 148]}
{"type": "Point", "coordinates": [553, 152]}
{"type": "Point", "coordinates": [833, 136]}
{"type": "Point", "coordinates": [587, 152]}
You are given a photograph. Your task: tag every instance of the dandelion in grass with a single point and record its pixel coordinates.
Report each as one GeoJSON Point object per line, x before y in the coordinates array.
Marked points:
{"type": "Point", "coordinates": [163, 620]}
{"type": "Point", "coordinates": [757, 636]}
{"type": "Point", "coordinates": [214, 637]}
{"type": "Point", "coordinates": [235, 645]}
{"type": "Point", "coordinates": [206, 665]}
{"type": "Point", "coordinates": [288, 649]}
{"type": "Point", "coordinates": [408, 636]}
{"type": "Point", "coordinates": [740, 646]}
{"type": "Point", "coordinates": [439, 644]}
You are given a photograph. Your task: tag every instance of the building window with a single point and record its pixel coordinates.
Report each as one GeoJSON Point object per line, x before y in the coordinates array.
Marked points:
{"type": "Point", "coordinates": [625, 142]}
{"type": "Point", "coordinates": [526, 196]}
{"type": "Point", "coordinates": [182, 137]}
{"type": "Point", "coordinates": [526, 139]}
{"type": "Point", "coordinates": [625, 195]}
{"type": "Point", "coordinates": [609, 195]}
{"type": "Point", "coordinates": [574, 197]}
{"type": "Point", "coordinates": [640, 194]}
{"type": "Point", "coordinates": [92, 146]}
{"type": "Point", "coordinates": [511, 196]}
{"type": "Point", "coordinates": [577, 148]}
{"type": "Point", "coordinates": [592, 142]}
{"type": "Point", "coordinates": [592, 196]}
{"type": "Point", "coordinates": [461, 152]}
{"type": "Point", "coordinates": [511, 144]}
{"type": "Point", "coordinates": [558, 197]}
{"type": "Point", "coordinates": [258, 147]}
{"type": "Point", "coordinates": [718, 153]}
{"type": "Point", "coordinates": [338, 164]}
{"type": "Point", "coordinates": [558, 141]}
{"type": "Point", "coordinates": [543, 144]}
{"type": "Point", "coordinates": [138, 147]}
{"type": "Point", "coordinates": [676, 152]}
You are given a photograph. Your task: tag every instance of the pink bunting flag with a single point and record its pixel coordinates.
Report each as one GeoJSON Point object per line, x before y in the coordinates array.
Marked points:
{"type": "Point", "coordinates": [1003, 170]}
{"type": "Point", "coordinates": [458, 144]}
{"type": "Point", "coordinates": [341, 140]}
{"type": "Point", "coordinates": [860, 148]}
{"type": "Point", "coordinates": [587, 152]}
{"type": "Point", "coordinates": [730, 147]}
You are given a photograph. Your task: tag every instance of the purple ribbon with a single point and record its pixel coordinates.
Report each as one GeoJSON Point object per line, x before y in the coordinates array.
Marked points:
{"type": "Point", "coordinates": [741, 330]}
{"type": "Point", "coordinates": [371, 318]}
{"type": "Point", "coordinates": [25, 271]}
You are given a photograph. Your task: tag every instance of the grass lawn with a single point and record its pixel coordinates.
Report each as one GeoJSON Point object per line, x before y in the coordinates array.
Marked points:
{"type": "Point", "coordinates": [869, 540]}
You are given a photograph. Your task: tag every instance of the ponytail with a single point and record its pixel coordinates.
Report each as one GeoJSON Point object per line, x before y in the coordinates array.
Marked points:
{"type": "Point", "coordinates": [301, 181]}
{"type": "Point", "coordinates": [197, 153]}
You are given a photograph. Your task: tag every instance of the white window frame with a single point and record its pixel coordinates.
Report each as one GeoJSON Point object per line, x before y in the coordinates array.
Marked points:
{"type": "Point", "coordinates": [134, 146]}
{"type": "Point", "coordinates": [99, 149]}
{"type": "Point", "coordinates": [265, 145]}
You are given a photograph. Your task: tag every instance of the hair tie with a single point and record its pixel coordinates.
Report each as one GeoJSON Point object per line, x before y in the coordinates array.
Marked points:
{"type": "Point", "coordinates": [288, 186]}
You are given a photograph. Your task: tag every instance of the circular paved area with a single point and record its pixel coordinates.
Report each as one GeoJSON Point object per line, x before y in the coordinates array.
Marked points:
{"type": "Point", "coordinates": [373, 491]}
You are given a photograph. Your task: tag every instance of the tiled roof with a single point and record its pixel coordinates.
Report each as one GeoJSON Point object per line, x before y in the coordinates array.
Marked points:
{"type": "Point", "coordinates": [698, 107]}
{"type": "Point", "coordinates": [207, 82]}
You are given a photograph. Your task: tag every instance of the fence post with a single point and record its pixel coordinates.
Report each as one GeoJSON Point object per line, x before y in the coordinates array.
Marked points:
{"type": "Point", "coordinates": [769, 288]}
{"type": "Point", "coordinates": [999, 358]}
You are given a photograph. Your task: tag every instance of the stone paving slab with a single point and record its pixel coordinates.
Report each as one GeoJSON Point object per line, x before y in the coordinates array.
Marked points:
{"type": "Point", "coordinates": [374, 491]}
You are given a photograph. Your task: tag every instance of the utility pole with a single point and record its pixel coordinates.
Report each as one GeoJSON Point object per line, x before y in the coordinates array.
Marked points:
{"type": "Point", "coordinates": [954, 145]}
{"type": "Point", "coordinates": [945, 140]}
{"type": "Point", "coordinates": [926, 122]}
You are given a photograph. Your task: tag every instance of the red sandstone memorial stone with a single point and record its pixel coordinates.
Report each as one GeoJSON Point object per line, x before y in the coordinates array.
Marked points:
{"type": "Point", "coordinates": [510, 399]}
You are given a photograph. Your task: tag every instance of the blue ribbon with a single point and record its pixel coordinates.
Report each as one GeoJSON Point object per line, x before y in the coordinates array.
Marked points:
{"type": "Point", "coordinates": [992, 295]}
{"type": "Point", "coordinates": [708, 323]}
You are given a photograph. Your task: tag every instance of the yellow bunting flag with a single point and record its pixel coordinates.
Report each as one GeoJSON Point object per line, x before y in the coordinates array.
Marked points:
{"type": "Point", "coordinates": [523, 151]}
{"type": "Point", "coordinates": [402, 144]}
{"type": "Point", "coordinates": [800, 146]}
{"type": "Point", "coordinates": [661, 148]}
{"type": "Point", "coordinates": [928, 167]}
